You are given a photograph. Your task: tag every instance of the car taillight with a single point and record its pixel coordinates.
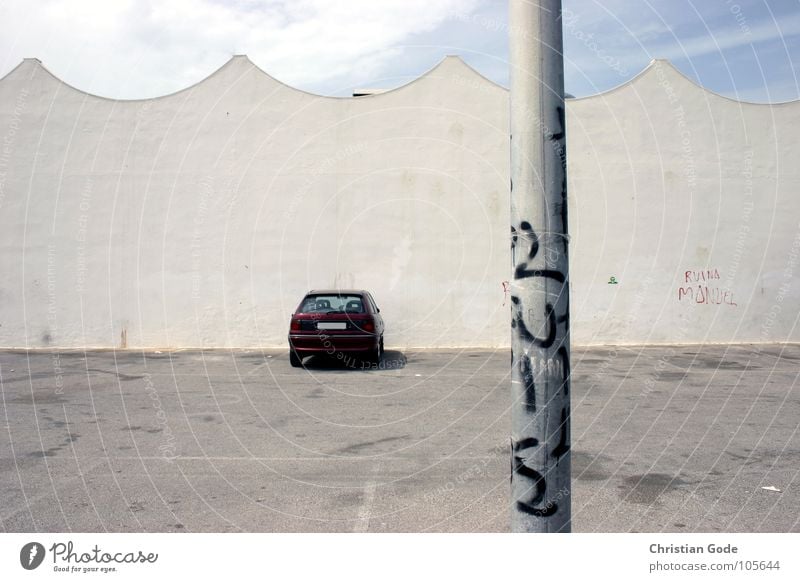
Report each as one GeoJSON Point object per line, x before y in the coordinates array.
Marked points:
{"type": "Point", "coordinates": [368, 325]}
{"type": "Point", "coordinates": [295, 325]}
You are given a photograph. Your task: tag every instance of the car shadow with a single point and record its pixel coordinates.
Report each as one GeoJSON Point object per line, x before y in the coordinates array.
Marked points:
{"type": "Point", "coordinates": [390, 360]}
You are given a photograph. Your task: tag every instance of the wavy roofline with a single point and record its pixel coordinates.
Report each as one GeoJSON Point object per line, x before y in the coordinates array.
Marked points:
{"type": "Point", "coordinates": [656, 62]}
{"type": "Point", "coordinates": [61, 81]}
{"type": "Point", "coordinates": [449, 58]}
{"type": "Point", "coordinates": [624, 83]}
{"type": "Point", "coordinates": [244, 58]}
{"type": "Point", "coordinates": [714, 93]}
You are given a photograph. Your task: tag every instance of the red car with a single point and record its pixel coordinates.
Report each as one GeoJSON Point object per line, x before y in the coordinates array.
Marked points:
{"type": "Point", "coordinates": [336, 323]}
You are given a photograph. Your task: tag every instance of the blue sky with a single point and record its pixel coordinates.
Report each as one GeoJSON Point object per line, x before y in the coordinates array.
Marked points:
{"type": "Point", "coordinates": [748, 49]}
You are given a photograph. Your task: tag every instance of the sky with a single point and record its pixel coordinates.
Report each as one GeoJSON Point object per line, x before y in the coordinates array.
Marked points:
{"type": "Point", "coordinates": [745, 49]}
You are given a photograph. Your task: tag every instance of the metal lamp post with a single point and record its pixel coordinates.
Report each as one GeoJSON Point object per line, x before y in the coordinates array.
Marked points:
{"type": "Point", "coordinates": [540, 351]}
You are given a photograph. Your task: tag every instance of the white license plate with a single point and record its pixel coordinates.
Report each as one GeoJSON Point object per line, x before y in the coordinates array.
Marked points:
{"type": "Point", "coordinates": [332, 325]}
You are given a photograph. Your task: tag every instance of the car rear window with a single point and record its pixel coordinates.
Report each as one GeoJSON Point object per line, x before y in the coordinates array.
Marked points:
{"type": "Point", "coordinates": [333, 304]}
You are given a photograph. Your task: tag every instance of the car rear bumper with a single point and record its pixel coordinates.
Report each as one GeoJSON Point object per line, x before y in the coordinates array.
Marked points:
{"type": "Point", "coordinates": [331, 343]}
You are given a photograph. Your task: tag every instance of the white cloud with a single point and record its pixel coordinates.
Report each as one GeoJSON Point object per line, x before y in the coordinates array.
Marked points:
{"type": "Point", "coordinates": [653, 39]}
{"type": "Point", "coordinates": [142, 48]}
{"type": "Point", "coordinates": [731, 38]}
{"type": "Point", "coordinates": [637, 38]}
{"type": "Point", "coordinates": [774, 93]}
{"type": "Point", "coordinates": [138, 48]}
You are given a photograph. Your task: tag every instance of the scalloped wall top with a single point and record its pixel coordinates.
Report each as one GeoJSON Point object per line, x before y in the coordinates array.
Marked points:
{"type": "Point", "coordinates": [240, 64]}
{"type": "Point", "coordinates": [454, 62]}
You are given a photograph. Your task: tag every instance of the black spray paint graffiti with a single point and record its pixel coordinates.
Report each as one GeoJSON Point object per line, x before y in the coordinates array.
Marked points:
{"type": "Point", "coordinates": [546, 346]}
{"type": "Point", "coordinates": [526, 374]}
{"type": "Point", "coordinates": [560, 144]}
{"type": "Point", "coordinates": [533, 505]}
{"type": "Point", "coordinates": [522, 270]}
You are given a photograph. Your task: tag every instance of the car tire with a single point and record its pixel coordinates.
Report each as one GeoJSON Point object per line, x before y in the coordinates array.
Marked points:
{"type": "Point", "coordinates": [375, 355]}
{"type": "Point", "coordinates": [295, 360]}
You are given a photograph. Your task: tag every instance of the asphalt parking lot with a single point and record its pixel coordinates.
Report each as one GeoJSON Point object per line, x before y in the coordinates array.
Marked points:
{"type": "Point", "coordinates": [664, 439]}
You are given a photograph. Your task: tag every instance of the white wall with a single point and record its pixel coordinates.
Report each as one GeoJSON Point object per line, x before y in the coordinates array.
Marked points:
{"type": "Point", "coordinates": [668, 178]}
{"type": "Point", "coordinates": [201, 218]}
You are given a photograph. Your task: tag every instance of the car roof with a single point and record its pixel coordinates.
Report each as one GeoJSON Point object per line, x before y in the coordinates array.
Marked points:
{"type": "Point", "coordinates": [337, 292]}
